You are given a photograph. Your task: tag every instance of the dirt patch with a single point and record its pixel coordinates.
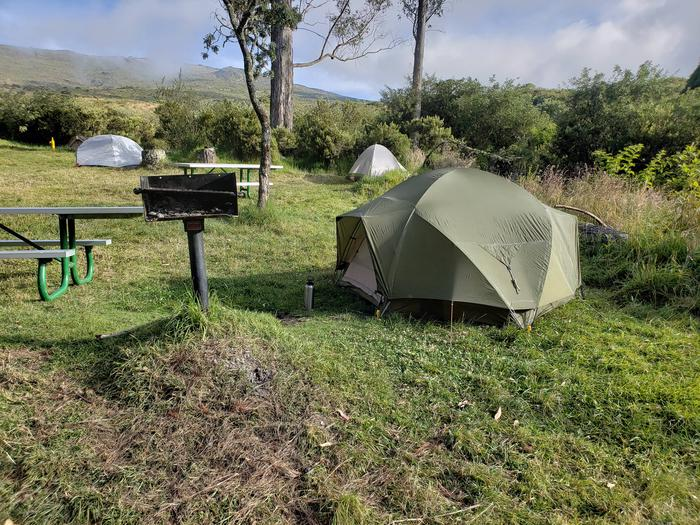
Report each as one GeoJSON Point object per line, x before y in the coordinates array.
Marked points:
{"type": "Point", "coordinates": [188, 435]}
{"type": "Point", "coordinates": [289, 319]}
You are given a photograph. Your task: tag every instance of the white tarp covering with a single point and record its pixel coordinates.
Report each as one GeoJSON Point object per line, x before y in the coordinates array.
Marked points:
{"type": "Point", "coordinates": [375, 161]}
{"type": "Point", "coordinates": [113, 151]}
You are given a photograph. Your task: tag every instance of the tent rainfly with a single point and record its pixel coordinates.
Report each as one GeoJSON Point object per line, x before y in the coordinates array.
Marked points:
{"type": "Point", "coordinates": [375, 161]}
{"type": "Point", "coordinates": [460, 244]}
{"type": "Point", "coordinates": [113, 151]}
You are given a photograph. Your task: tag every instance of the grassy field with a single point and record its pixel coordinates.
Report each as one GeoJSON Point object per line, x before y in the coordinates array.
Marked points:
{"type": "Point", "coordinates": [260, 413]}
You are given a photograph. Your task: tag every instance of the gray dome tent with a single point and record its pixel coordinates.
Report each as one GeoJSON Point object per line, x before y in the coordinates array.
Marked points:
{"type": "Point", "coordinates": [375, 161]}
{"type": "Point", "coordinates": [460, 244]}
{"type": "Point", "coordinates": [112, 151]}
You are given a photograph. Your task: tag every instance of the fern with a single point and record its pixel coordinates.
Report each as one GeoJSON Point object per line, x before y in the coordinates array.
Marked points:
{"type": "Point", "coordinates": [620, 164]}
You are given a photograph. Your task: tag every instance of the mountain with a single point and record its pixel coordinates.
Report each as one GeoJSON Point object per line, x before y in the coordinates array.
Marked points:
{"type": "Point", "coordinates": [124, 77]}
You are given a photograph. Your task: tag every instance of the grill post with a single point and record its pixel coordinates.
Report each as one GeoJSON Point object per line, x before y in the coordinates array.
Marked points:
{"type": "Point", "coordinates": [198, 267]}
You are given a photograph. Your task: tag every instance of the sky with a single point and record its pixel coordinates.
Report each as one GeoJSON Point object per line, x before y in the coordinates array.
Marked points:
{"type": "Point", "coordinates": [545, 42]}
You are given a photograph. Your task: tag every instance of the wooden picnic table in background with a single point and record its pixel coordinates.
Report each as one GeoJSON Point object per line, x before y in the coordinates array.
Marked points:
{"type": "Point", "coordinates": [223, 167]}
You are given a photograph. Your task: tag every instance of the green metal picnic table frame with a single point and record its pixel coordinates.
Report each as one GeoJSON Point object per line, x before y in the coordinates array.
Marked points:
{"type": "Point", "coordinates": [190, 167]}
{"type": "Point", "coordinates": [67, 240]}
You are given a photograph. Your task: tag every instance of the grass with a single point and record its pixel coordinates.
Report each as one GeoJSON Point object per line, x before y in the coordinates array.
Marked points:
{"type": "Point", "coordinates": [660, 263]}
{"type": "Point", "coordinates": [372, 187]}
{"type": "Point", "coordinates": [262, 413]}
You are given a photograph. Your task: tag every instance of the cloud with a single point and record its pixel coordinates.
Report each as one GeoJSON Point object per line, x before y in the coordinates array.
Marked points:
{"type": "Point", "coordinates": [545, 43]}
{"type": "Point", "coordinates": [168, 31]}
{"type": "Point", "coordinates": [535, 41]}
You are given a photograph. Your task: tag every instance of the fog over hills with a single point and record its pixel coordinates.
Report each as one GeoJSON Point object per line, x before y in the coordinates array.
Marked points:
{"type": "Point", "coordinates": [29, 68]}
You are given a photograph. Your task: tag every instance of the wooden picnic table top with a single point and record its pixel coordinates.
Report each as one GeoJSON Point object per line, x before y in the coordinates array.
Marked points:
{"type": "Point", "coordinates": [79, 212]}
{"type": "Point", "coordinates": [216, 165]}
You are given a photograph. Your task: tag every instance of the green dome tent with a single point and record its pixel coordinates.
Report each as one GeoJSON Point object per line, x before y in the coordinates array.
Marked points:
{"type": "Point", "coordinates": [460, 244]}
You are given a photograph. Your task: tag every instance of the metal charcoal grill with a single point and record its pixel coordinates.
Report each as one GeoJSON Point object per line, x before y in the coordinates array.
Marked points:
{"type": "Point", "coordinates": [191, 199]}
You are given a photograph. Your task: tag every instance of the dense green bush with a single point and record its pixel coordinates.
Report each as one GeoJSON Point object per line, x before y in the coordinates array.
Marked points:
{"type": "Point", "coordinates": [389, 136]}
{"type": "Point", "coordinates": [231, 128]}
{"type": "Point", "coordinates": [178, 115]}
{"type": "Point", "coordinates": [116, 122]}
{"type": "Point", "coordinates": [329, 131]}
{"type": "Point", "coordinates": [36, 117]}
{"type": "Point", "coordinates": [608, 114]}
{"type": "Point", "coordinates": [286, 140]}
{"type": "Point", "coordinates": [497, 117]}
{"type": "Point", "coordinates": [431, 132]}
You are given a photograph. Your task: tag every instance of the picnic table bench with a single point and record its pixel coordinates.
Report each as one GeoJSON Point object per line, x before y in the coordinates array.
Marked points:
{"type": "Point", "coordinates": [210, 167]}
{"type": "Point", "coordinates": [66, 254]}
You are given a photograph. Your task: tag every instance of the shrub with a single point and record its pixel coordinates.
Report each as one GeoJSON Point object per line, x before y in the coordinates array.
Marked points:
{"type": "Point", "coordinates": [35, 118]}
{"type": "Point", "coordinates": [497, 117]}
{"type": "Point", "coordinates": [642, 107]}
{"type": "Point", "coordinates": [138, 128]}
{"type": "Point", "coordinates": [179, 124]}
{"type": "Point", "coordinates": [232, 128]}
{"type": "Point", "coordinates": [449, 156]}
{"type": "Point", "coordinates": [620, 164]}
{"type": "Point", "coordinates": [286, 140]}
{"type": "Point", "coordinates": [323, 136]}
{"type": "Point", "coordinates": [431, 131]}
{"type": "Point", "coordinates": [388, 135]}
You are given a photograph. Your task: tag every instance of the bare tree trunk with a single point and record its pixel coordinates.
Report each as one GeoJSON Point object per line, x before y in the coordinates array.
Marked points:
{"type": "Point", "coordinates": [282, 81]}
{"type": "Point", "coordinates": [266, 139]}
{"type": "Point", "coordinates": [417, 84]}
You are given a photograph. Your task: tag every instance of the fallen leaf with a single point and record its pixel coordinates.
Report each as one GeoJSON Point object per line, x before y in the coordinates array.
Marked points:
{"type": "Point", "coordinates": [497, 415]}
{"type": "Point", "coordinates": [528, 448]}
{"type": "Point", "coordinates": [464, 403]}
{"type": "Point", "coordinates": [343, 415]}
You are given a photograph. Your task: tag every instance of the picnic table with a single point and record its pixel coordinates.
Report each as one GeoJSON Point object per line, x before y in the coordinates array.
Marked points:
{"type": "Point", "coordinates": [210, 167]}
{"type": "Point", "coordinates": [67, 244]}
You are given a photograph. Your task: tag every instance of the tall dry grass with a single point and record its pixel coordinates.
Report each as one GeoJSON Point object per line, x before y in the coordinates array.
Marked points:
{"type": "Point", "coordinates": [660, 263]}
{"type": "Point", "coordinates": [622, 204]}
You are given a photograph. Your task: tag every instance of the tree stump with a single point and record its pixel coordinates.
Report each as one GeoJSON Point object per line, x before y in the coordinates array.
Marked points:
{"type": "Point", "coordinates": [153, 158]}
{"type": "Point", "coordinates": [207, 155]}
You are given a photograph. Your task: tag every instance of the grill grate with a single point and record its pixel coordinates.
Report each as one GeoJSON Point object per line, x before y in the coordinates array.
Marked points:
{"type": "Point", "coordinates": [178, 197]}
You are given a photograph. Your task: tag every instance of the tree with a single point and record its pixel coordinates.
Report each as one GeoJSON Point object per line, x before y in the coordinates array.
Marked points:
{"type": "Point", "coordinates": [250, 23]}
{"type": "Point", "coordinates": [350, 33]}
{"type": "Point", "coordinates": [419, 12]}
{"type": "Point", "coordinates": [282, 81]}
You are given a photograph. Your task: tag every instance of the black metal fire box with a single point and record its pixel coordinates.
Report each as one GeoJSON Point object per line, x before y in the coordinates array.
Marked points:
{"type": "Point", "coordinates": [191, 199]}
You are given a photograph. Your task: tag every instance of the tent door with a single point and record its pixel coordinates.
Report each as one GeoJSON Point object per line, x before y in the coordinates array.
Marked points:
{"type": "Point", "coordinates": [360, 274]}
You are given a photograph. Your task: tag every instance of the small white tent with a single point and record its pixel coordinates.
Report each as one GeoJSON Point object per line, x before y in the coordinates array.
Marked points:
{"type": "Point", "coordinates": [375, 161]}
{"type": "Point", "coordinates": [113, 151]}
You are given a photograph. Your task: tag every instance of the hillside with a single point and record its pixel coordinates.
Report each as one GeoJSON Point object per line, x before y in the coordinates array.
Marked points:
{"type": "Point", "coordinates": [122, 77]}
